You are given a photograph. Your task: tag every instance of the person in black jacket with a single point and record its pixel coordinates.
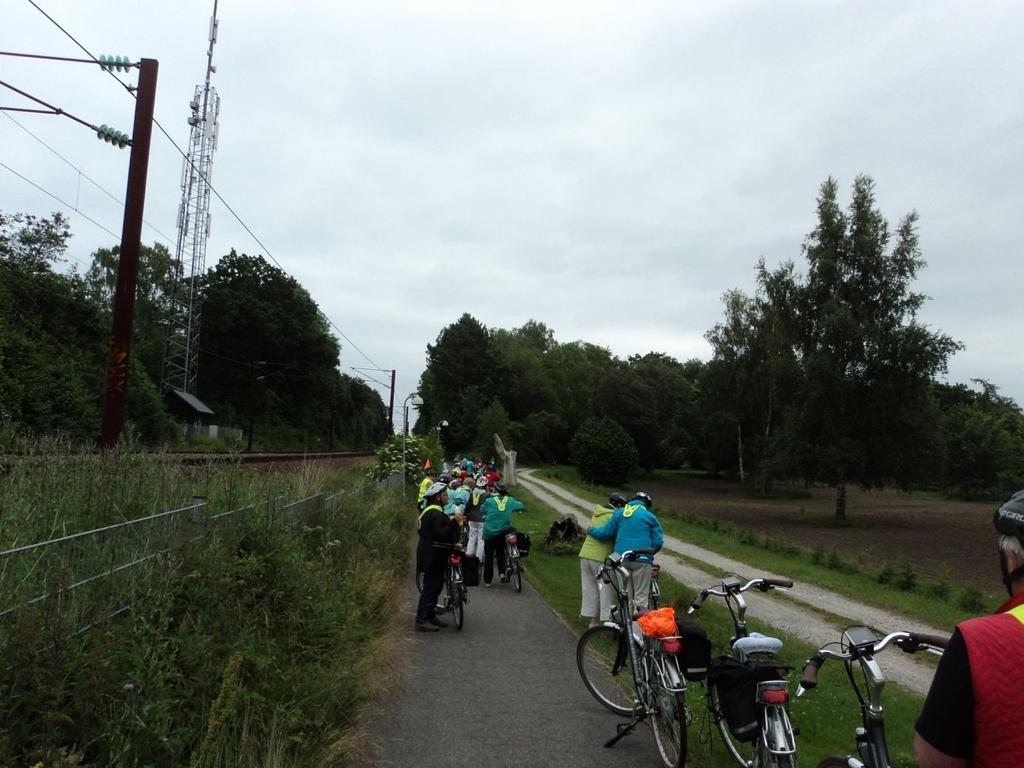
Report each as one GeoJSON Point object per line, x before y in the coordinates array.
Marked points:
{"type": "Point", "coordinates": [438, 536]}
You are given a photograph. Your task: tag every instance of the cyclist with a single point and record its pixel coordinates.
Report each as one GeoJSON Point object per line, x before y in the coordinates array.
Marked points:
{"type": "Point", "coordinates": [497, 511]}
{"type": "Point", "coordinates": [429, 475]}
{"type": "Point", "coordinates": [634, 527]}
{"type": "Point", "coordinates": [972, 716]}
{"type": "Point", "coordinates": [438, 534]}
{"type": "Point", "coordinates": [597, 603]}
{"type": "Point", "coordinates": [475, 518]}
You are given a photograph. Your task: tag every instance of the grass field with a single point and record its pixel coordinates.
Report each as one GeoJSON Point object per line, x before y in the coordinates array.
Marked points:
{"type": "Point", "coordinates": [826, 717]}
{"type": "Point", "coordinates": [843, 569]}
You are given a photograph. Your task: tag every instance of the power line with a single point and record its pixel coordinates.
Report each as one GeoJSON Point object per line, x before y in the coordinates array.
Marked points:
{"type": "Point", "coordinates": [62, 202]}
{"type": "Point", "coordinates": [213, 189]}
{"type": "Point", "coordinates": [53, 110]}
{"type": "Point", "coordinates": [84, 175]}
{"type": "Point", "coordinates": [87, 52]}
{"type": "Point", "coordinates": [366, 376]}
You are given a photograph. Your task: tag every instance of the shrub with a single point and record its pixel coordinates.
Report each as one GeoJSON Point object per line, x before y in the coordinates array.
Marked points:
{"type": "Point", "coordinates": [971, 601]}
{"type": "Point", "coordinates": [886, 575]}
{"type": "Point", "coordinates": [906, 579]}
{"type": "Point", "coordinates": [603, 452]}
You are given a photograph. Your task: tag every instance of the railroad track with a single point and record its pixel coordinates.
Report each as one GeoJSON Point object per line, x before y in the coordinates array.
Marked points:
{"type": "Point", "coordinates": [266, 458]}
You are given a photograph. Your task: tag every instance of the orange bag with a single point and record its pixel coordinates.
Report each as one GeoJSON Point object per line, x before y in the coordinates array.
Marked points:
{"type": "Point", "coordinates": [659, 623]}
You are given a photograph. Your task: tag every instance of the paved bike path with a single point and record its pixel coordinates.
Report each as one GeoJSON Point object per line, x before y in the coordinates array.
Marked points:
{"type": "Point", "coordinates": [787, 615]}
{"type": "Point", "coordinates": [503, 691]}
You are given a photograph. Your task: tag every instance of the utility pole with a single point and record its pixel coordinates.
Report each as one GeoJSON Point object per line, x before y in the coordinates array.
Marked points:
{"type": "Point", "coordinates": [128, 264]}
{"type": "Point", "coordinates": [252, 402]}
{"type": "Point", "coordinates": [391, 406]}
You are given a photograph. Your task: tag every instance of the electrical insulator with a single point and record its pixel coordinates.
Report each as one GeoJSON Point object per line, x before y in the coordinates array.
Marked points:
{"type": "Point", "coordinates": [118, 63]}
{"type": "Point", "coordinates": [113, 136]}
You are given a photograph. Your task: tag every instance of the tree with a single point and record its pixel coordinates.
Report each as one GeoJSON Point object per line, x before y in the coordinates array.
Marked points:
{"type": "Point", "coordinates": [264, 338]}
{"type": "Point", "coordinates": [153, 296]}
{"type": "Point", "coordinates": [866, 360]}
{"type": "Point", "coordinates": [54, 337]}
{"type": "Point", "coordinates": [604, 452]}
{"type": "Point", "coordinates": [458, 382]}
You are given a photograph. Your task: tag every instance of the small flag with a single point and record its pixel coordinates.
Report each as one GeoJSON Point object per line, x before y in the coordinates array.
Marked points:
{"type": "Point", "coordinates": [426, 465]}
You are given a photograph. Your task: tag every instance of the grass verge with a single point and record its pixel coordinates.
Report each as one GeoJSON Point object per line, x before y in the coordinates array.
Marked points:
{"type": "Point", "coordinates": [941, 604]}
{"type": "Point", "coordinates": [826, 717]}
{"type": "Point", "coordinates": [254, 644]}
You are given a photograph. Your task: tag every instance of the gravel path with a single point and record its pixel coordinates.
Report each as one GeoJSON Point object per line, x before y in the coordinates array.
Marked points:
{"type": "Point", "coordinates": [793, 616]}
{"type": "Point", "coordinates": [504, 691]}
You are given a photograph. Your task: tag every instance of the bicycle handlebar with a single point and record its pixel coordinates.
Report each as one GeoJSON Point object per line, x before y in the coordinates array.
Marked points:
{"type": "Point", "coordinates": [761, 584]}
{"type": "Point", "coordinates": [908, 642]}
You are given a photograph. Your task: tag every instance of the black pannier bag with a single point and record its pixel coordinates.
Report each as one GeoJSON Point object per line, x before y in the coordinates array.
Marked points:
{"type": "Point", "coordinates": [523, 543]}
{"type": "Point", "coordinates": [737, 693]}
{"type": "Point", "coordinates": [696, 655]}
{"type": "Point", "coordinates": [471, 571]}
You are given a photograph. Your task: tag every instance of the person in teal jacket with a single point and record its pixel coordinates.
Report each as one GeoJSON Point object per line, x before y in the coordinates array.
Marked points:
{"type": "Point", "coordinates": [634, 527]}
{"type": "Point", "coordinates": [497, 511]}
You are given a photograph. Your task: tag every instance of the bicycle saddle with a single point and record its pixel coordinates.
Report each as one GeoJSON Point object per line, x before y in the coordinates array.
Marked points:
{"type": "Point", "coordinates": [755, 643]}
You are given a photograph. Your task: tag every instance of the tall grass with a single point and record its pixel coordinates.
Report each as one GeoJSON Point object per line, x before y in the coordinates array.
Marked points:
{"type": "Point", "coordinates": [256, 643]}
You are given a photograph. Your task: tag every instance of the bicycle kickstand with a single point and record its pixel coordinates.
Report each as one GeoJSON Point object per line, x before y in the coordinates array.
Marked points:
{"type": "Point", "coordinates": [624, 729]}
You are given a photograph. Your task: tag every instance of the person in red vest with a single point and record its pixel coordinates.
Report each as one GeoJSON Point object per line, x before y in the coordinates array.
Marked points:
{"type": "Point", "coordinates": [972, 716]}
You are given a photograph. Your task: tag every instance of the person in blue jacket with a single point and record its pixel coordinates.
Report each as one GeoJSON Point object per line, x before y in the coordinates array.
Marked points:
{"type": "Point", "coordinates": [635, 527]}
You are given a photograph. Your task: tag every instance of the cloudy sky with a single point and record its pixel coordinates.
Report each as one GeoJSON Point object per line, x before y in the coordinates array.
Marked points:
{"type": "Point", "coordinates": [609, 168]}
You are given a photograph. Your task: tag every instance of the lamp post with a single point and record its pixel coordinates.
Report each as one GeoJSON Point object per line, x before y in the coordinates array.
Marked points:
{"type": "Point", "coordinates": [416, 401]}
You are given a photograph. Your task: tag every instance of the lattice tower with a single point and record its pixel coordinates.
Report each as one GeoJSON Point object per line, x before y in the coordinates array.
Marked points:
{"type": "Point", "coordinates": [181, 356]}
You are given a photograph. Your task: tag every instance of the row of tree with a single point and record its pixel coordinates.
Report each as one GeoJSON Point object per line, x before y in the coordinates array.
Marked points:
{"type": "Point", "coordinates": [823, 376]}
{"type": "Point", "coordinates": [266, 351]}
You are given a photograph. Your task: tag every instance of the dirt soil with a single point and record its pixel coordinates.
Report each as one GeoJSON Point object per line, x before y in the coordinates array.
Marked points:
{"type": "Point", "coordinates": [940, 538]}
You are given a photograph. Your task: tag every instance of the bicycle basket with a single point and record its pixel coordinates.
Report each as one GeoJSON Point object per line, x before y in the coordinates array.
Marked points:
{"type": "Point", "coordinates": [659, 623]}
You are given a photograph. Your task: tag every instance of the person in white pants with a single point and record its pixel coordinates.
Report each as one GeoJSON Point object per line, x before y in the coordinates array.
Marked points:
{"type": "Point", "coordinates": [597, 603]}
{"type": "Point", "coordinates": [475, 518]}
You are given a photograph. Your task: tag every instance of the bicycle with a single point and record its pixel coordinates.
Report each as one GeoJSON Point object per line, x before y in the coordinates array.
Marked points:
{"type": "Point", "coordinates": [747, 695]}
{"type": "Point", "coordinates": [455, 594]}
{"type": "Point", "coordinates": [634, 675]}
{"type": "Point", "coordinates": [513, 565]}
{"type": "Point", "coordinates": [859, 645]}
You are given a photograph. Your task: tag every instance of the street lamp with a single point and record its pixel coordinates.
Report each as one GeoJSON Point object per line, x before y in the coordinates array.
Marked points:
{"type": "Point", "coordinates": [416, 401]}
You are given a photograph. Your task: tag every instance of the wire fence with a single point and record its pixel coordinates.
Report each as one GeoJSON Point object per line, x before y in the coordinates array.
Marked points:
{"type": "Point", "coordinates": [82, 579]}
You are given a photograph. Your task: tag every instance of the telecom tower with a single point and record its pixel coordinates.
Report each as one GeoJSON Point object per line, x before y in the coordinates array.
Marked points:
{"type": "Point", "coordinates": [181, 356]}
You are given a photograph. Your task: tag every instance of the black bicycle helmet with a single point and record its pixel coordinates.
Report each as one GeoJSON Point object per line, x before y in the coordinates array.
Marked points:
{"type": "Point", "coordinates": [501, 489]}
{"type": "Point", "coordinates": [644, 497]}
{"type": "Point", "coordinates": [617, 500]}
{"type": "Point", "coordinates": [1009, 521]}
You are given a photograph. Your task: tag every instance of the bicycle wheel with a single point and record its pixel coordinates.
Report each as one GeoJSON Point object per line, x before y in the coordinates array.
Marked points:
{"type": "Point", "coordinates": [603, 662]}
{"type": "Point", "coordinates": [669, 725]}
{"type": "Point", "coordinates": [458, 602]}
{"type": "Point", "coordinates": [731, 746]}
{"type": "Point", "coordinates": [517, 574]}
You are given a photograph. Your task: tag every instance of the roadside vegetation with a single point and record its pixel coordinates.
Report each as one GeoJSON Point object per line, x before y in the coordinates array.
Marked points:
{"type": "Point", "coordinates": [826, 717]}
{"type": "Point", "coordinates": [896, 587]}
{"type": "Point", "coordinates": [254, 640]}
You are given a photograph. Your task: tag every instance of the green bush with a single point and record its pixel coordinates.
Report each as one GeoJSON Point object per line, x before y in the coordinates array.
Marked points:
{"type": "Point", "coordinates": [604, 452]}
